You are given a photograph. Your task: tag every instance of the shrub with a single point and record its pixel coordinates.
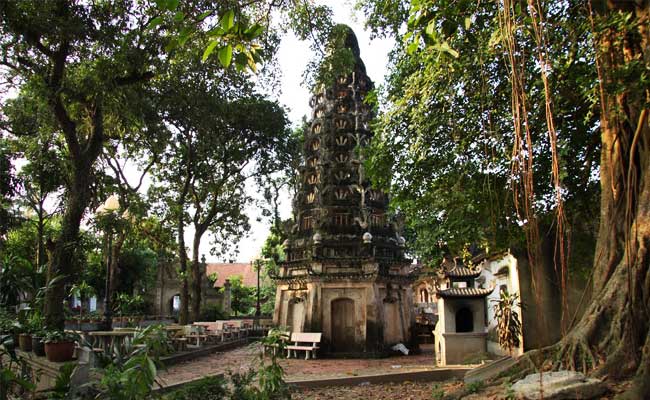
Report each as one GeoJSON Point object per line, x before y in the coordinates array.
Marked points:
{"type": "Point", "coordinates": [212, 312]}
{"type": "Point", "coordinates": [474, 387]}
{"type": "Point", "coordinates": [437, 393]}
{"type": "Point", "coordinates": [208, 388]}
{"type": "Point", "coordinates": [508, 323]}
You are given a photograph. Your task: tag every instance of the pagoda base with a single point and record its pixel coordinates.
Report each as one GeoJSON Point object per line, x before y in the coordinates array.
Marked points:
{"type": "Point", "coordinates": [356, 317]}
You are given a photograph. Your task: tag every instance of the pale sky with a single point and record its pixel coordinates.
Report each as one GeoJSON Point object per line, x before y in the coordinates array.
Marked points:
{"type": "Point", "coordinates": [293, 57]}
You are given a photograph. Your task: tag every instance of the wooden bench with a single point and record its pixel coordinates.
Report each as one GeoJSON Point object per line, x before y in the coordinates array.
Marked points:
{"type": "Point", "coordinates": [304, 341]}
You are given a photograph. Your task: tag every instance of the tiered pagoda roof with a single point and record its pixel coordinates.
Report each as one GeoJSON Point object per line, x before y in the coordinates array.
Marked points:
{"type": "Point", "coordinates": [459, 273]}
{"type": "Point", "coordinates": [338, 217]}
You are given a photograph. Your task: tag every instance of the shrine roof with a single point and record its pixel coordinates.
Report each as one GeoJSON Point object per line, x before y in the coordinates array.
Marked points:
{"type": "Point", "coordinates": [463, 272]}
{"type": "Point", "coordinates": [464, 292]}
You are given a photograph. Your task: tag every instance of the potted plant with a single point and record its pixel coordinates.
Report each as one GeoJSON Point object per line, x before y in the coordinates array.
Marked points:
{"type": "Point", "coordinates": [38, 343]}
{"type": "Point", "coordinates": [22, 339]}
{"type": "Point", "coordinates": [35, 328]}
{"type": "Point", "coordinates": [82, 291]}
{"type": "Point", "coordinates": [34, 323]}
{"type": "Point", "coordinates": [59, 346]}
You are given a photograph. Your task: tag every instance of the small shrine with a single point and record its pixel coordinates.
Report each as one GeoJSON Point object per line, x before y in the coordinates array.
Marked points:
{"type": "Point", "coordinates": [461, 330]}
{"type": "Point", "coordinates": [345, 273]}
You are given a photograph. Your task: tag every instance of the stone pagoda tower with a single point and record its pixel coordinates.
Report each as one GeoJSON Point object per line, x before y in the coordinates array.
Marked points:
{"type": "Point", "coordinates": [345, 275]}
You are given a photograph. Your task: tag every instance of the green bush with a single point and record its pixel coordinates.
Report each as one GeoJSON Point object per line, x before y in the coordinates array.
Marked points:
{"type": "Point", "coordinates": [437, 392]}
{"type": "Point", "coordinates": [209, 388]}
{"type": "Point", "coordinates": [7, 322]}
{"type": "Point", "coordinates": [474, 387]}
{"type": "Point", "coordinates": [212, 312]}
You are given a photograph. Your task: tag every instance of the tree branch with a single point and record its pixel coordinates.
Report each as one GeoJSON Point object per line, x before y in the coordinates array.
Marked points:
{"type": "Point", "coordinates": [134, 78]}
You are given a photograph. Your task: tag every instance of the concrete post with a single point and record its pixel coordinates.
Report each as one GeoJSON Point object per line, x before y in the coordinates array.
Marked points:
{"type": "Point", "coordinates": [226, 298]}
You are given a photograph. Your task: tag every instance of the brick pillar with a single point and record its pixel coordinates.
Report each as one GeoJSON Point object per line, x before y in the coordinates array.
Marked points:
{"type": "Point", "coordinates": [226, 297]}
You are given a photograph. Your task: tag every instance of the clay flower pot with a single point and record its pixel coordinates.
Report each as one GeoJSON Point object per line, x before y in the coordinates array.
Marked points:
{"type": "Point", "coordinates": [59, 351]}
{"type": "Point", "coordinates": [38, 346]}
{"type": "Point", "coordinates": [25, 342]}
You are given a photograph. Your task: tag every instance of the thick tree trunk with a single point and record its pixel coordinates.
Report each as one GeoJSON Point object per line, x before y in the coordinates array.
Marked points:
{"type": "Point", "coordinates": [196, 277]}
{"type": "Point", "coordinates": [40, 229]}
{"type": "Point", "coordinates": [114, 269]}
{"type": "Point", "coordinates": [613, 336]}
{"type": "Point", "coordinates": [182, 256]}
{"type": "Point", "coordinates": [63, 264]}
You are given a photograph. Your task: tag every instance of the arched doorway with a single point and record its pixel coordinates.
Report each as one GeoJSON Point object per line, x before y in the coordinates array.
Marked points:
{"type": "Point", "coordinates": [464, 320]}
{"type": "Point", "coordinates": [296, 314]}
{"type": "Point", "coordinates": [175, 304]}
{"type": "Point", "coordinates": [343, 320]}
{"type": "Point", "coordinates": [424, 295]}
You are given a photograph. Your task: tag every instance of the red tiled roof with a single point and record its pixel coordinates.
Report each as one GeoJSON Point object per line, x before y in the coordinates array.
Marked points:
{"type": "Point", "coordinates": [228, 270]}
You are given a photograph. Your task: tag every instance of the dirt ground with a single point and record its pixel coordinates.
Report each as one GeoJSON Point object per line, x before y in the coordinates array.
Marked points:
{"type": "Point", "coordinates": [244, 358]}
{"type": "Point", "coordinates": [421, 391]}
{"type": "Point", "coordinates": [389, 391]}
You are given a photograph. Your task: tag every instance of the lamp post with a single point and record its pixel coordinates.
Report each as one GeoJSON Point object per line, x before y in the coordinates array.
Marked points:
{"type": "Point", "coordinates": [257, 306]}
{"type": "Point", "coordinates": [108, 315]}
{"type": "Point", "coordinates": [106, 213]}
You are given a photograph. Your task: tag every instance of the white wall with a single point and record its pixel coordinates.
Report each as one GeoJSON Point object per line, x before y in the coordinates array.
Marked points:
{"type": "Point", "coordinates": [511, 282]}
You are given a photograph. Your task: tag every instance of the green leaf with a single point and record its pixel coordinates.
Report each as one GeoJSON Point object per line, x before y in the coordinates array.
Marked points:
{"type": "Point", "coordinates": [185, 34]}
{"type": "Point", "coordinates": [171, 45]}
{"type": "Point", "coordinates": [254, 31]}
{"type": "Point", "coordinates": [431, 28]}
{"type": "Point", "coordinates": [241, 61]}
{"type": "Point", "coordinates": [209, 50]}
{"type": "Point", "coordinates": [412, 47]}
{"type": "Point", "coordinates": [152, 367]}
{"type": "Point", "coordinates": [155, 22]}
{"type": "Point", "coordinates": [204, 15]}
{"type": "Point", "coordinates": [444, 47]}
{"type": "Point", "coordinates": [468, 22]}
{"type": "Point", "coordinates": [172, 4]}
{"type": "Point", "coordinates": [179, 16]}
{"type": "Point", "coordinates": [225, 55]}
{"type": "Point", "coordinates": [228, 20]}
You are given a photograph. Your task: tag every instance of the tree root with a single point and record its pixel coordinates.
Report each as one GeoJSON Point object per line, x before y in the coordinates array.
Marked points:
{"type": "Point", "coordinates": [574, 353]}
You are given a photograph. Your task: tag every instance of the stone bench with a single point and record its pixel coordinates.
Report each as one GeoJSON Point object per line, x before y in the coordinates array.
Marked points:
{"type": "Point", "coordinates": [304, 341]}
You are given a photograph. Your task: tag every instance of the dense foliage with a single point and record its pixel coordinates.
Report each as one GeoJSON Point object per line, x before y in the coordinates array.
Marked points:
{"type": "Point", "coordinates": [445, 139]}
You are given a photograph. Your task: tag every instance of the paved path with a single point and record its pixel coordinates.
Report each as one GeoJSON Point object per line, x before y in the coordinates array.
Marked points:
{"type": "Point", "coordinates": [244, 358]}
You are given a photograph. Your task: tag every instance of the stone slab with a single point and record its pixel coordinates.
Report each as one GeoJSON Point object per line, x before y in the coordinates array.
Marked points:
{"type": "Point", "coordinates": [432, 375]}
{"type": "Point", "coordinates": [558, 385]}
{"type": "Point", "coordinates": [489, 370]}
